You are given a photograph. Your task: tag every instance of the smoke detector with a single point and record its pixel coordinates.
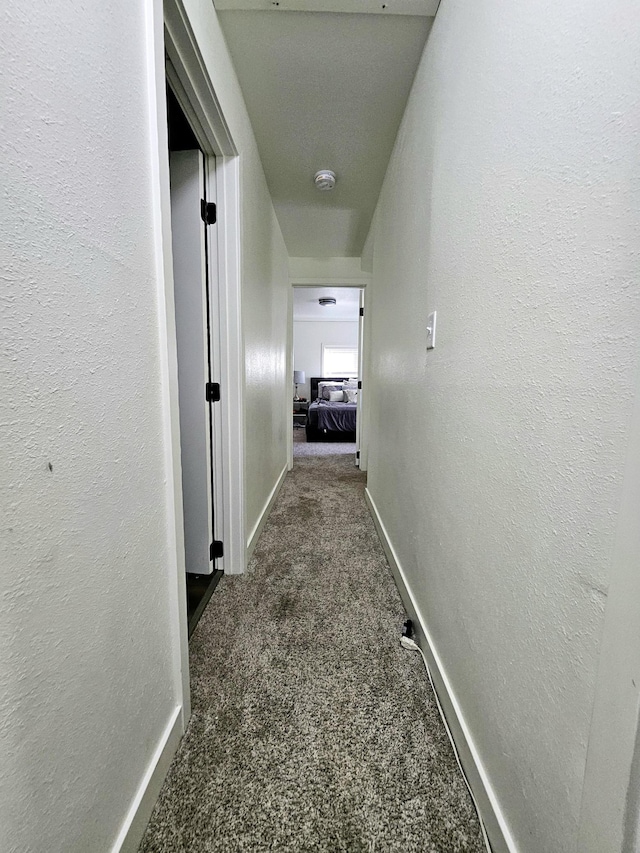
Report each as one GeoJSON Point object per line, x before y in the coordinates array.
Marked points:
{"type": "Point", "coordinates": [325, 179]}
{"type": "Point", "coordinates": [327, 300]}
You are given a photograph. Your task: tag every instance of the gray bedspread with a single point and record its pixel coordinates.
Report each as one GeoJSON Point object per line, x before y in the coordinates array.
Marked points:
{"type": "Point", "coordinates": [334, 417]}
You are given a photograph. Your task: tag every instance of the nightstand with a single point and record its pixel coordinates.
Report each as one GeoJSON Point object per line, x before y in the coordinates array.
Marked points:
{"type": "Point", "coordinates": [300, 408]}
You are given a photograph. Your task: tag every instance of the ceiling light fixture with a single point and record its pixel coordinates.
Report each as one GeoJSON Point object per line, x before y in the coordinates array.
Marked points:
{"type": "Point", "coordinates": [327, 300]}
{"type": "Point", "coordinates": [324, 180]}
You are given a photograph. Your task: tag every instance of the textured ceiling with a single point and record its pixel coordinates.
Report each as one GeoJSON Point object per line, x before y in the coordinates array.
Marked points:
{"type": "Point", "coordinates": [307, 307]}
{"type": "Point", "coordinates": [324, 91]}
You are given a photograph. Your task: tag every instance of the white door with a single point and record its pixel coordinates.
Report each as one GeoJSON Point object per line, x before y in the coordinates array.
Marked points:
{"type": "Point", "coordinates": [192, 333]}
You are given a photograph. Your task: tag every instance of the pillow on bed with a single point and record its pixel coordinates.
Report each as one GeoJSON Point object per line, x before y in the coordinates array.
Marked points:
{"type": "Point", "coordinates": [336, 396]}
{"type": "Point", "coordinates": [350, 383]}
{"type": "Point", "coordinates": [325, 388]}
{"type": "Point", "coordinates": [351, 395]}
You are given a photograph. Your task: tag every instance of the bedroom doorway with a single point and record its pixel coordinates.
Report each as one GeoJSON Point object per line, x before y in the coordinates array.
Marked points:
{"type": "Point", "coordinates": [327, 363]}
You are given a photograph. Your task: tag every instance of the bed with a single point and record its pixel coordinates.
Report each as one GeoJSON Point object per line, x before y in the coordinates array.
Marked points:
{"type": "Point", "coordinates": [331, 419]}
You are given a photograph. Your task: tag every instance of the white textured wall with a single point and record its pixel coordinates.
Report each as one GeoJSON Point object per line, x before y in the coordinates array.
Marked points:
{"type": "Point", "coordinates": [507, 207]}
{"type": "Point", "coordinates": [338, 270]}
{"type": "Point", "coordinates": [309, 336]}
{"type": "Point", "coordinates": [267, 381]}
{"type": "Point", "coordinates": [265, 281]}
{"type": "Point", "coordinates": [87, 682]}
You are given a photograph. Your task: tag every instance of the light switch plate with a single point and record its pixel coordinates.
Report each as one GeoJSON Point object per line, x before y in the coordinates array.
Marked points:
{"type": "Point", "coordinates": [431, 330]}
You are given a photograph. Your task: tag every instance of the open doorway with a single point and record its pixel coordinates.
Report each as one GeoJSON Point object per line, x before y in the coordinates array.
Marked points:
{"type": "Point", "coordinates": [192, 211]}
{"type": "Point", "coordinates": [327, 364]}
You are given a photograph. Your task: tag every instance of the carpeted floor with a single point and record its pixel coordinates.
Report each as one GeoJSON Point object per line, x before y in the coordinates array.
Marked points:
{"type": "Point", "coordinates": [301, 447]}
{"type": "Point", "coordinates": [312, 730]}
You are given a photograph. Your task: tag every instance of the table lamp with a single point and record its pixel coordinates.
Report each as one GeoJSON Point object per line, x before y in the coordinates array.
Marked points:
{"type": "Point", "coordinates": [298, 379]}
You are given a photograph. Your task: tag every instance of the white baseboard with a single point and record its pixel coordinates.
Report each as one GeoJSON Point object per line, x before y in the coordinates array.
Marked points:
{"type": "Point", "coordinates": [495, 824]}
{"type": "Point", "coordinates": [133, 828]}
{"type": "Point", "coordinates": [264, 515]}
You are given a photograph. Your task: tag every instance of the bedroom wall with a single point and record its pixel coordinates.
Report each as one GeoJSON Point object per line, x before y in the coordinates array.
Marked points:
{"type": "Point", "coordinates": [309, 336]}
{"type": "Point", "coordinates": [507, 208]}
{"type": "Point", "coordinates": [265, 283]}
{"type": "Point", "coordinates": [88, 607]}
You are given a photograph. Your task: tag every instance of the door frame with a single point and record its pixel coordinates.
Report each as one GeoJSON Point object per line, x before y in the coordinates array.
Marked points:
{"type": "Point", "coordinates": [192, 258]}
{"type": "Point", "coordinates": [176, 58]}
{"type": "Point", "coordinates": [362, 462]}
{"type": "Point", "coordinates": [194, 90]}
{"type": "Point", "coordinates": [358, 283]}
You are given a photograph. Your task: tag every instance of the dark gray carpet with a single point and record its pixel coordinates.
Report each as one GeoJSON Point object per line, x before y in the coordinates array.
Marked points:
{"type": "Point", "coordinates": [312, 730]}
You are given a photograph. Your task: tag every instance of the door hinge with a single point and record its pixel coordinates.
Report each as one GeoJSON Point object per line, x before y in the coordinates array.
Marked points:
{"type": "Point", "coordinates": [216, 549]}
{"type": "Point", "coordinates": [362, 312]}
{"type": "Point", "coordinates": [212, 392]}
{"type": "Point", "coordinates": [359, 386]}
{"type": "Point", "coordinates": [208, 212]}
{"type": "Point", "coordinates": [357, 454]}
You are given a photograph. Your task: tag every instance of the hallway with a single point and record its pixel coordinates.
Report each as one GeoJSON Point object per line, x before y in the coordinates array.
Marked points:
{"type": "Point", "coordinates": [311, 728]}
{"type": "Point", "coordinates": [470, 167]}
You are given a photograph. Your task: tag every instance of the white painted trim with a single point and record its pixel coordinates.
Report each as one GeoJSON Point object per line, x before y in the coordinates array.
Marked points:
{"type": "Point", "coordinates": [264, 515]}
{"type": "Point", "coordinates": [187, 60]}
{"type": "Point", "coordinates": [218, 456]}
{"type": "Point", "coordinates": [364, 330]}
{"type": "Point", "coordinates": [168, 355]}
{"type": "Point", "coordinates": [290, 365]}
{"type": "Point", "coordinates": [360, 432]}
{"type": "Point", "coordinates": [494, 821]}
{"type": "Point", "coordinates": [231, 365]}
{"type": "Point", "coordinates": [326, 319]}
{"type": "Point", "coordinates": [136, 821]}
{"type": "Point", "coordinates": [196, 93]}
